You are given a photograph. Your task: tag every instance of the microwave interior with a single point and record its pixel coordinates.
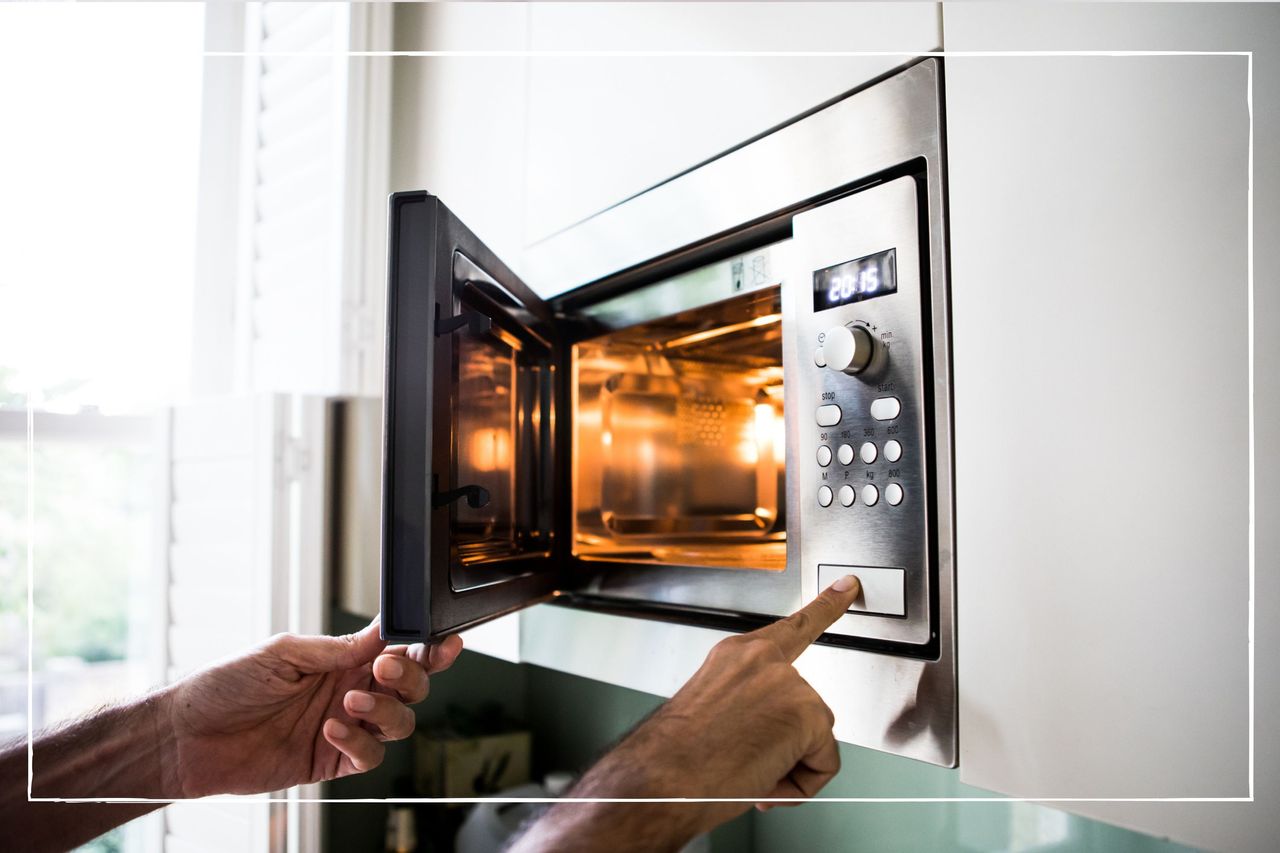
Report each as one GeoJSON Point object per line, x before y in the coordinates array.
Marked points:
{"type": "Point", "coordinates": [679, 444]}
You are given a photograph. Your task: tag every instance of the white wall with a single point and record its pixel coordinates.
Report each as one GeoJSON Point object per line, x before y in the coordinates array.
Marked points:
{"type": "Point", "coordinates": [1104, 635]}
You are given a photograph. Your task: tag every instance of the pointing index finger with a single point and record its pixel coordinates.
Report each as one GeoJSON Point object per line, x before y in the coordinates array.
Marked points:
{"type": "Point", "coordinates": [798, 631]}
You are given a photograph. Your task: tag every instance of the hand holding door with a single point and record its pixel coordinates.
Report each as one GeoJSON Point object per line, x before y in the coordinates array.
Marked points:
{"type": "Point", "coordinates": [746, 725]}
{"type": "Point", "coordinates": [295, 710]}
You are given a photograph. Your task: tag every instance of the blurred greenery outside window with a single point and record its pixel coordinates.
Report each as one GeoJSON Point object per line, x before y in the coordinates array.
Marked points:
{"type": "Point", "coordinates": [92, 532]}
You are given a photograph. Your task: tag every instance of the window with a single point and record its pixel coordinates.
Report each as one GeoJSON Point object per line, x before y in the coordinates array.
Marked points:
{"type": "Point", "coordinates": [99, 221]}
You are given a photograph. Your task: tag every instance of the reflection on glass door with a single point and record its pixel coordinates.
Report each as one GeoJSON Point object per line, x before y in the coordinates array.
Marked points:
{"type": "Point", "coordinates": [502, 445]}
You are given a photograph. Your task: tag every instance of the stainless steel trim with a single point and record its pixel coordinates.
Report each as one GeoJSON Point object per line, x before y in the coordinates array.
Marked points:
{"type": "Point", "coordinates": [866, 132]}
{"type": "Point", "coordinates": [897, 704]}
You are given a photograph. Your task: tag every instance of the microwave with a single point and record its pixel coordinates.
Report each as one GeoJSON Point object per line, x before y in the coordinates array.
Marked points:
{"type": "Point", "coordinates": [740, 392]}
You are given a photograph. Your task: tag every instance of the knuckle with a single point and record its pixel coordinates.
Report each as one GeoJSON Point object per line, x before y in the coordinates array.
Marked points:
{"type": "Point", "coordinates": [728, 644]}
{"type": "Point", "coordinates": [828, 716]}
{"type": "Point", "coordinates": [398, 729]}
{"type": "Point", "coordinates": [820, 716]}
{"type": "Point", "coordinates": [826, 608]}
{"type": "Point", "coordinates": [818, 706]}
{"type": "Point", "coordinates": [406, 726]}
{"type": "Point", "coordinates": [826, 604]}
{"type": "Point", "coordinates": [283, 640]}
{"type": "Point", "coordinates": [800, 621]}
{"type": "Point", "coordinates": [759, 651]}
{"type": "Point", "coordinates": [726, 648]}
{"type": "Point", "coordinates": [377, 751]}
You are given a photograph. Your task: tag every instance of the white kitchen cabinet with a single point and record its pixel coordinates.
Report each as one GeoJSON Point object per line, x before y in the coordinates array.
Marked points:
{"type": "Point", "coordinates": [604, 127]}
{"type": "Point", "coordinates": [458, 121]}
{"type": "Point", "coordinates": [523, 146]}
{"type": "Point", "coordinates": [1104, 412]}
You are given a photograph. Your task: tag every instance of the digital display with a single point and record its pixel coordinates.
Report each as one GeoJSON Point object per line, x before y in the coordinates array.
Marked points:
{"type": "Point", "coordinates": [856, 280]}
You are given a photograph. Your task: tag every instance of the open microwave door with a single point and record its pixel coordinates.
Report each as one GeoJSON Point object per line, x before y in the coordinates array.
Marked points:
{"type": "Point", "coordinates": [469, 499]}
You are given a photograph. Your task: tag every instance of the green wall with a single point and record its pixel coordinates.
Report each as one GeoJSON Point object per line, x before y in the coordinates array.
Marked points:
{"type": "Point", "coordinates": [574, 720]}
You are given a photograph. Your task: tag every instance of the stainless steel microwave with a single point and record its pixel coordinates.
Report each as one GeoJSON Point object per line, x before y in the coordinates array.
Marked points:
{"type": "Point", "coordinates": [741, 392]}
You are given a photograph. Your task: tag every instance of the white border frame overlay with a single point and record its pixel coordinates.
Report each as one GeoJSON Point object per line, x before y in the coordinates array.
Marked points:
{"type": "Point", "coordinates": [906, 55]}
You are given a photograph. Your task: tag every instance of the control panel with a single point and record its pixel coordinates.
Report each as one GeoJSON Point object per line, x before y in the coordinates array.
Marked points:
{"type": "Point", "coordinates": [863, 472]}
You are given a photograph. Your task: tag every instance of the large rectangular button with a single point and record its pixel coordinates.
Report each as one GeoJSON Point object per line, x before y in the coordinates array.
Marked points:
{"type": "Point", "coordinates": [828, 415]}
{"type": "Point", "coordinates": [884, 591]}
{"type": "Point", "coordinates": [885, 408]}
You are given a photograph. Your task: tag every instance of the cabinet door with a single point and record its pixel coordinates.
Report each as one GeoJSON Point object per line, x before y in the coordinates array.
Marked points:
{"type": "Point", "coordinates": [1101, 322]}
{"type": "Point", "coordinates": [468, 461]}
{"type": "Point", "coordinates": [602, 128]}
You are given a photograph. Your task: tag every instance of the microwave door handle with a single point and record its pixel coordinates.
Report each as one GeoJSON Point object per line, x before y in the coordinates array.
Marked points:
{"type": "Point", "coordinates": [474, 321]}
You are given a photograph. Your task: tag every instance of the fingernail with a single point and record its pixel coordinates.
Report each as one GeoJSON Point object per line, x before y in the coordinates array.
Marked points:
{"type": "Point", "coordinates": [844, 584]}
{"type": "Point", "coordinates": [391, 668]}
{"type": "Point", "coordinates": [357, 701]}
{"type": "Point", "coordinates": [338, 730]}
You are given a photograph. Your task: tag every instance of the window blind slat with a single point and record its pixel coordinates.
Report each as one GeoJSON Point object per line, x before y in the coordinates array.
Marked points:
{"type": "Point", "coordinates": [311, 30]}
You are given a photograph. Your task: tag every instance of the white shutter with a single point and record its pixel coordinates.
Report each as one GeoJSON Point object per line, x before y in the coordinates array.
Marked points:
{"type": "Point", "coordinates": [244, 559]}
{"type": "Point", "coordinates": [313, 186]}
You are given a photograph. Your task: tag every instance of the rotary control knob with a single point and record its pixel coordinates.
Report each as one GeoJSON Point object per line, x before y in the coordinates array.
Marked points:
{"type": "Point", "coordinates": [848, 349]}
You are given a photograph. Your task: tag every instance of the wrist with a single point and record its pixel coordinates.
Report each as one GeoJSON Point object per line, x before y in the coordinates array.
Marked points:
{"type": "Point", "coordinates": [119, 752]}
{"type": "Point", "coordinates": [165, 752]}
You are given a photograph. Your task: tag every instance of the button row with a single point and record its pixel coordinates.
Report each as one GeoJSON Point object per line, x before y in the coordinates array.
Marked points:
{"type": "Point", "coordinates": [867, 453]}
{"type": "Point", "coordinates": [893, 494]}
{"type": "Point", "coordinates": [882, 409]}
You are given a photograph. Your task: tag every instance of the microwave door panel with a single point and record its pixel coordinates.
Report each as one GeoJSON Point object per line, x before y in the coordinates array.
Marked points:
{"type": "Point", "coordinates": [469, 497]}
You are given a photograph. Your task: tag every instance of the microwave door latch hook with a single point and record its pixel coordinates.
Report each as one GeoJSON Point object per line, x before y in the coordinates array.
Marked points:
{"type": "Point", "coordinates": [473, 321]}
{"type": "Point", "coordinates": [477, 497]}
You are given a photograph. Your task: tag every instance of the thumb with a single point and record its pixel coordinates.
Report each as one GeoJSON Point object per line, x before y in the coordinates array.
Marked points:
{"type": "Point", "coordinates": [319, 654]}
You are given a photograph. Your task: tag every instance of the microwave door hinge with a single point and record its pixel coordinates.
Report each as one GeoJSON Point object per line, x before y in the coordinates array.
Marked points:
{"type": "Point", "coordinates": [473, 321]}
{"type": "Point", "coordinates": [477, 496]}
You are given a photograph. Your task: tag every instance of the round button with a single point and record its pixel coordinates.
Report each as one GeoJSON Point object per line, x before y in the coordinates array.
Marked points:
{"type": "Point", "coordinates": [893, 494]}
{"type": "Point", "coordinates": [892, 450]}
{"type": "Point", "coordinates": [845, 454]}
{"type": "Point", "coordinates": [824, 455]}
{"type": "Point", "coordinates": [869, 495]}
{"type": "Point", "coordinates": [868, 452]}
{"type": "Point", "coordinates": [824, 496]}
{"type": "Point", "coordinates": [846, 495]}
{"type": "Point", "coordinates": [819, 358]}
{"type": "Point", "coordinates": [848, 349]}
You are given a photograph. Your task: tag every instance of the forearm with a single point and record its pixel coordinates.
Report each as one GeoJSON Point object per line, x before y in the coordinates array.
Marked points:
{"type": "Point", "coordinates": [616, 827]}
{"type": "Point", "coordinates": [639, 768]}
{"type": "Point", "coordinates": [115, 753]}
